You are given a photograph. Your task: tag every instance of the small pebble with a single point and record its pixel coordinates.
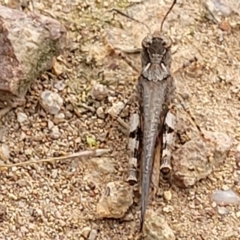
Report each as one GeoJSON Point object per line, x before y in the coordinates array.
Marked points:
{"type": "Point", "coordinates": [100, 113]}
{"type": "Point", "coordinates": [93, 235]}
{"type": "Point", "coordinates": [168, 209]}
{"type": "Point", "coordinates": [57, 68]}
{"type": "Point", "coordinates": [51, 102]}
{"type": "Point", "coordinates": [22, 136]}
{"type": "Point", "coordinates": [55, 134]}
{"type": "Point", "coordinates": [225, 26]}
{"type": "Point", "coordinates": [58, 118]}
{"type": "Point", "coordinates": [4, 152]}
{"type": "Point", "coordinates": [99, 92]}
{"type": "Point", "coordinates": [21, 117]}
{"type": "Point", "coordinates": [128, 217]}
{"type": "Point", "coordinates": [225, 187]}
{"type": "Point", "coordinates": [167, 195]}
{"type": "Point", "coordinates": [227, 197]}
{"type": "Point", "coordinates": [50, 124]}
{"type": "Point", "coordinates": [85, 232]}
{"type": "Point", "coordinates": [59, 85]}
{"type": "Point", "coordinates": [222, 210]}
{"type": "Point", "coordinates": [28, 151]}
{"type": "Point", "coordinates": [116, 109]}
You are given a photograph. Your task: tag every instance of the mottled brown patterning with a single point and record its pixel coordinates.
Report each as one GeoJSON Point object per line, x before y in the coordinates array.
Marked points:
{"type": "Point", "coordinates": [155, 91]}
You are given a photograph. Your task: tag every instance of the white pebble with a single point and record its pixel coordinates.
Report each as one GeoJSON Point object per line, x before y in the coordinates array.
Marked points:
{"type": "Point", "coordinates": [85, 232]}
{"type": "Point", "coordinates": [58, 118]}
{"type": "Point", "coordinates": [227, 197]}
{"type": "Point", "coordinates": [51, 102]}
{"type": "Point", "coordinates": [222, 210]}
{"type": "Point", "coordinates": [50, 124]}
{"type": "Point", "coordinates": [100, 113]}
{"type": "Point", "coordinates": [59, 86]}
{"type": "Point", "coordinates": [167, 195]}
{"type": "Point", "coordinates": [4, 152]}
{"type": "Point", "coordinates": [99, 92]}
{"type": "Point", "coordinates": [93, 235]}
{"type": "Point", "coordinates": [21, 117]}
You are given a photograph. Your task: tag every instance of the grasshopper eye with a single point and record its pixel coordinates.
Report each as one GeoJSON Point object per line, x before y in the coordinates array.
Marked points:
{"type": "Point", "coordinates": [147, 41]}
{"type": "Point", "coordinates": [167, 42]}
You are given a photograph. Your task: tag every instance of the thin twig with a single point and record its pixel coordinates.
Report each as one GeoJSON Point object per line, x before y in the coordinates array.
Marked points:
{"type": "Point", "coordinates": [87, 153]}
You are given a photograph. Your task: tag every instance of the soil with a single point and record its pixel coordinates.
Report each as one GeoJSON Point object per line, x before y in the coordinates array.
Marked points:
{"type": "Point", "coordinates": [58, 200]}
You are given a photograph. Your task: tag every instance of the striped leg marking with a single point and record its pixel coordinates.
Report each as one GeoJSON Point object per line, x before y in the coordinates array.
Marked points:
{"type": "Point", "coordinates": [168, 140]}
{"type": "Point", "coordinates": [133, 146]}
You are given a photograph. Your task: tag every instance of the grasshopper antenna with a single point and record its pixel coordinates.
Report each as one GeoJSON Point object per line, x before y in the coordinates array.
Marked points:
{"type": "Point", "coordinates": [127, 16]}
{"type": "Point", "coordinates": [169, 10]}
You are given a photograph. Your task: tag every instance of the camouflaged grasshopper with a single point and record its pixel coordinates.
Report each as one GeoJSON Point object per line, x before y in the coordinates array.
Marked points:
{"type": "Point", "coordinates": [152, 127]}
{"type": "Point", "coordinates": [151, 130]}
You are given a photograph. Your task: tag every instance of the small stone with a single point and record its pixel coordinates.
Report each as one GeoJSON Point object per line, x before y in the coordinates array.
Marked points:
{"type": "Point", "coordinates": [100, 113]}
{"type": "Point", "coordinates": [104, 165]}
{"type": "Point", "coordinates": [93, 235]}
{"type": "Point", "coordinates": [51, 102]}
{"type": "Point", "coordinates": [156, 227]}
{"type": "Point", "coordinates": [225, 26]}
{"type": "Point", "coordinates": [58, 118]}
{"type": "Point", "coordinates": [50, 124]}
{"type": "Point", "coordinates": [12, 196]}
{"type": "Point", "coordinates": [21, 117]}
{"type": "Point", "coordinates": [115, 201]}
{"type": "Point", "coordinates": [22, 136]}
{"type": "Point", "coordinates": [128, 217]}
{"type": "Point", "coordinates": [214, 204]}
{"type": "Point", "coordinates": [187, 170]}
{"type": "Point", "coordinates": [99, 92]}
{"type": "Point", "coordinates": [168, 209]}
{"type": "Point", "coordinates": [55, 134]}
{"type": "Point", "coordinates": [167, 195]}
{"type": "Point", "coordinates": [238, 214]}
{"type": "Point", "coordinates": [54, 173]}
{"type": "Point", "coordinates": [28, 151]}
{"type": "Point", "coordinates": [85, 232]}
{"type": "Point", "coordinates": [226, 197]}
{"type": "Point", "coordinates": [116, 109]}
{"type": "Point", "coordinates": [57, 68]}
{"type": "Point", "coordinates": [4, 152]}
{"type": "Point", "coordinates": [222, 210]}
{"type": "Point", "coordinates": [225, 187]}
{"type": "Point", "coordinates": [59, 85]}
{"type": "Point", "coordinates": [111, 99]}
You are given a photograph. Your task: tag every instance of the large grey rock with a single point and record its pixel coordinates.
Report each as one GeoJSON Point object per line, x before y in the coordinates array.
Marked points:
{"type": "Point", "coordinates": [28, 43]}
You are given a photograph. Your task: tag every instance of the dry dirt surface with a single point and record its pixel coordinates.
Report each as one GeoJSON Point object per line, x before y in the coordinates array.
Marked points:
{"type": "Point", "coordinates": [58, 200]}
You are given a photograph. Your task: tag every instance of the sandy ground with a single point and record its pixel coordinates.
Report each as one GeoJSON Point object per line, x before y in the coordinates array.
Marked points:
{"type": "Point", "coordinates": [58, 200]}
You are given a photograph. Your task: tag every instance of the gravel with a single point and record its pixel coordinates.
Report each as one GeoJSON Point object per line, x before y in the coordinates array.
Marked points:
{"type": "Point", "coordinates": [57, 200]}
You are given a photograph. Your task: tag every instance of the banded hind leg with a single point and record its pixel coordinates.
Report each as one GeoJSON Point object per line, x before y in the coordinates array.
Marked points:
{"type": "Point", "coordinates": [167, 144]}
{"type": "Point", "coordinates": [133, 147]}
{"type": "Point", "coordinates": [162, 158]}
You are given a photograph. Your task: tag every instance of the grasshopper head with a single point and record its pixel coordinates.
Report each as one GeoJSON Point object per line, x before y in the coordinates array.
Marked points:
{"type": "Point", "coordinates": [156, 48]}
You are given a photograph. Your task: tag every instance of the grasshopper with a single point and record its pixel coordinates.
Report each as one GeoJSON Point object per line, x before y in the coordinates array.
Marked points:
{"type": "Point", "coordinates": [151, 129]}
